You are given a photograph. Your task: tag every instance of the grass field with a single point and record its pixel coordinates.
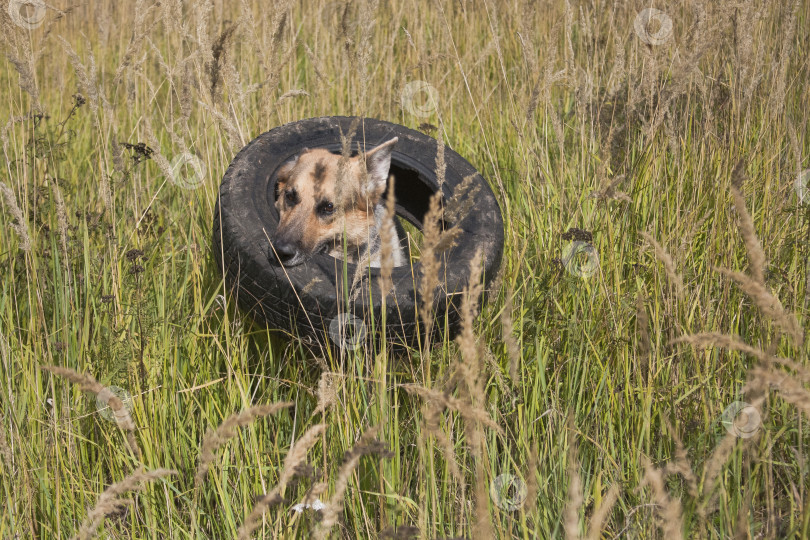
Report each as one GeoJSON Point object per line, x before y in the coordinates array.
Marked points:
{"type": "Point", "coordinates": [650, 381]}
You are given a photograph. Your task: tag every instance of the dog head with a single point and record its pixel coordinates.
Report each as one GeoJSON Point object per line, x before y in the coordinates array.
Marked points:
{"type": "Point", "coordinates": [323, 198]}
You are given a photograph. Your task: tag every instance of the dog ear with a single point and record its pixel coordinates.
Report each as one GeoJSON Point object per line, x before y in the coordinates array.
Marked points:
{"type": "Point", "coordinates": [378, 163]}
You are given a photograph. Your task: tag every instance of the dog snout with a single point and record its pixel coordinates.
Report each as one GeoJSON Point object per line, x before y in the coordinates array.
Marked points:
{"type": "Point", "coordinates": [285, 250]}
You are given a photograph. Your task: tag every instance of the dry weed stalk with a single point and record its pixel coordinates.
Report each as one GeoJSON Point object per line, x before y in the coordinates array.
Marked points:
{"type": "Point", "coordinates": [575, 499]}
{"type": "Point", "coordinates": [483, 522]}
{"type": "Point", "coordinates": [461, 406]}
{"type": "Point", "coordinates": [726, 341]}
{"type": "Point", "coordinates": [669, 508]}
{"type": "Point", "coordinates": [681, 465]}
{"type": "Point", "coordinates": [295, 457]}
{"type": "Point", "coordinates": [754, 286]}
{"type": "Point", "coordinates": [62, 224]}
{"type": "Point", "coordinates": [5, 450]}
{"type": "Point", "coordinates": [326, 393]}
{"type": "Point", "coordinates": [365, 446]}
{"type": "Point", "coordinates": [25, 69]}
{"type": "Point", "coordinates": [140, 29]}
{"type": "Point", "coordinates": [752, 245]}
{"type": "Point", "coordinates": [786, 384]}
{"type": "Point", "coordinates": [432, 415]}
{"type": "Point", "coordinates": [441, 166]}
{"type": "Point", "coordinates": [227, 430]}
{"type": "Point", "coordinates": [88, 384]}
{"type": "Point", "coordinates": [645, 343]}
{"type": "Point", "coordinates": [387, 235]}
{"type": "Point", "coordinates": [669, 265]}
{"type": "Point", "coordinates": [470, 367]}
{"type": "Point", "coordinates": [711, 470]}
{"type": "Point", "coordinates": [109, 501]}
{"type": "Point", "coordinates": [462, 201]}
{"type": "Point", "coordinates": [601, 514]}
{"type": "Point", "coordinates": [430, 264]}
{"type": "Point", "coordinates": [86, 75]}
{"type": "Point", "coordinates": [19, 224]}
{"type": "Point", "coordinates": [760, 376]}
{"type": "Point", "coordinates": [767, 303]}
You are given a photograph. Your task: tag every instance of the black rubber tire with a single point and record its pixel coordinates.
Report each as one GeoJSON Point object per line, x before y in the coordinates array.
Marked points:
{"type": "Point", "coordinates": [305, 297]}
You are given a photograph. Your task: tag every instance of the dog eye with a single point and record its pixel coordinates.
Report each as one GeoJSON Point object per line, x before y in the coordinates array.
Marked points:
{"type": "Point", "coordinates": [326, 208]}
{"type": "Point", "coordinates": [291, 197]}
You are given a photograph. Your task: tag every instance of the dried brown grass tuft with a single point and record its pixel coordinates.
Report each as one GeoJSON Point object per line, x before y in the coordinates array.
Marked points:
{"type": "Point", "coordinates": [681, 465]}
{"type": "Point", "coordinates": [214, 439]}
{"type": "Point", "coordinates": [89, 384]}
{"type": "Point", "coordinates": [62, 223]}
{"type": "Point", "coordinates": [446, 401]}
{"type": "Point", "coordinates": [575, 499]}
{"type": "Point", "coordinates": [19, 225]}
{"type": "Point", "coordinates": [387, 235]}
{"type": "Point", "coordinates": [601, 514]}
{"type": "Point", "coordinates": [109, 501]}
{"type": "Point", "coordinates": [669, 508]}
{"type": "Point", "coordinates": [755, 253]}
{"type": "Point", "coordinates": [767, 303]}
{"type": "Point", "coordinates": [5, 449]}
{"type": "Point", "coordinates": [326, 393]}
{"type": "Point", "coordinates": [441, 166]}
{"type": "Point", "coordinates": [295, 457]}
{"type": "Point", "coordinates": [430, 264]}
{"type": "Point", "coordinates": [365, 446]}
{"type": "Point", "coordinates": [669, 265]}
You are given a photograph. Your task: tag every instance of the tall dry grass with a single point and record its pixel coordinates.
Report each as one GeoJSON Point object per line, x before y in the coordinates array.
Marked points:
{"type": "Point", "coordinates": [673, 156]}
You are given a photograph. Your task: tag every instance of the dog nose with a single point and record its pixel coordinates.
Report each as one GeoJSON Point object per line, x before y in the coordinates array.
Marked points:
{"type": "Point", "coordinates": [285, 250]}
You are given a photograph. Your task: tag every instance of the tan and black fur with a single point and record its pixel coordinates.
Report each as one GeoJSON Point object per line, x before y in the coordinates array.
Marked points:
{"type": "Point", "coordinates": [323, 202]}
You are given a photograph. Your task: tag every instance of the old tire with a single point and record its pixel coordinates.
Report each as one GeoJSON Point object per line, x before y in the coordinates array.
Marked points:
{"type": "Point", "coordinates": [311, 298]}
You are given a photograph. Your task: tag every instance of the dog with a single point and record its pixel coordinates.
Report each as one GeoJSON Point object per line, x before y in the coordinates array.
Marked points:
{"type": "Point", "coordinates": [326, 203]}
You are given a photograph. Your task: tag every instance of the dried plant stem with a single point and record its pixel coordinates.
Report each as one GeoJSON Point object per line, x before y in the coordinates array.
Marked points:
{"type": "Point", "coordinates": [365, 446]}
{"type": "Point", "coordinates": [670, 508]}
{"type": "Point", "coordinates": [296, 455]}
{"type": "Point", "coordinates": [109, 501]}
{"type": "Point", "coordinates": [466, 411]}
{"type": "Point", "coordinates": [214, 439]}
{"type": "Point", "coordinates": [89, 384]}
{"type": "Point", "coordinates": [19, 225]}
{"type": "Point", "coordinates": [669, 265]}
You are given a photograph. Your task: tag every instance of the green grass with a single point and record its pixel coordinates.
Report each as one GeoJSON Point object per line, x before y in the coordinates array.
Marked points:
{"type": "Point", "coordinates": [591, 374]}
